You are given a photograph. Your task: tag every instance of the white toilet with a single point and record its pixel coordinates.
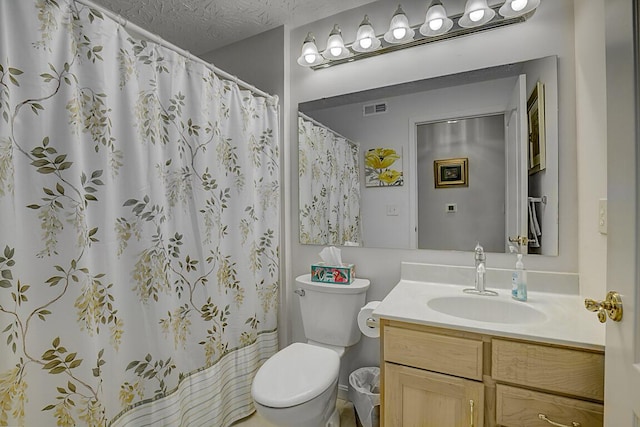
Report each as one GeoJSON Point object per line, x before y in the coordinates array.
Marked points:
{"type": "Point", "coordinates": [298, 386]}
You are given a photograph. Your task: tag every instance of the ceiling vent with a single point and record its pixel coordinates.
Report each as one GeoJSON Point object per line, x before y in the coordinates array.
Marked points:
{"type": "Point", "coordinates": [373, 109]}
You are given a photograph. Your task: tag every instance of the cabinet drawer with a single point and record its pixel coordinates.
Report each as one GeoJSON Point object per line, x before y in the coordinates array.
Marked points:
{"type": "Point", "coordinates": [562, 370]}
{"type": "Point", "coordinates": [449, 355]}
{"type": "Point", "coordinates": [522, 408]}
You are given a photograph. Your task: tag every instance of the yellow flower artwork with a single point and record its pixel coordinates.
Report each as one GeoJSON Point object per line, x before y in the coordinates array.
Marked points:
{"type": "Point", "coordinates": [378, 171]}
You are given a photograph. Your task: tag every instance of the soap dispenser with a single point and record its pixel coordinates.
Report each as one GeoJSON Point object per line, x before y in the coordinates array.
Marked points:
{"type": "Point", "coordinates": [519, 281]}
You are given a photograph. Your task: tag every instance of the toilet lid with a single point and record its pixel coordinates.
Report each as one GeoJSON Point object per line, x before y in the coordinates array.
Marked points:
{"type": "Point", "coordinates": [295, 375]}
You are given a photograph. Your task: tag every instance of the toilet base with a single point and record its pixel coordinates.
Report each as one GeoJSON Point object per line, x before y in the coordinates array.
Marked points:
{"type": "Point", "coordinates": [334, 421]}
{"type": "Point", "coordinates": [318, 412]}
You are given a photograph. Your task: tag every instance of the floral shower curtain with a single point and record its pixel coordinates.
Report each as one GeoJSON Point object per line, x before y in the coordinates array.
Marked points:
{"type": "Point", "coordinates": [329, 180]}
{"type": "Point", "coordinates": [139, 227]}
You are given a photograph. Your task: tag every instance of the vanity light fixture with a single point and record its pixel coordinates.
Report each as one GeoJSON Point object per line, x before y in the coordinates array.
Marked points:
{"type": "Point", "coordinates": [437, 26]}
{"type": "Point", "coordinates": [476, 13]}
{"type": "Point", "coordinates": [399, 29]}
{"type": "Point", "coordinates": [366, 40]}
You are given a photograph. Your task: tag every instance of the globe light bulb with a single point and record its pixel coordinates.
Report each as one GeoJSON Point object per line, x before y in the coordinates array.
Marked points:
{"type": "Point", "coordinates": [335, 51]}
{"type": "Point", "coordinates": [436, 24]}
{"type": "Point", "coordinates": [476, 15]}
{"type": "Point", "coordinates": [399, 33]}
{"type": "Point", "coordinates": [366, 43]}
{"type": "Point", "coordinates": [518, 5]}
{"type": "Point", "coordinates": [309, 58]}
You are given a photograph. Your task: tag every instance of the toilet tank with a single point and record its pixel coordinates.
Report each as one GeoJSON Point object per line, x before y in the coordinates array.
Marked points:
{"type": "Point", "coordinates": [329, 311]}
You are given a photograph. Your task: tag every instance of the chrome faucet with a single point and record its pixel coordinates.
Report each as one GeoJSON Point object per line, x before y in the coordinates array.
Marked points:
{"type": "Point", "coordinates": [480, 271]}
{"type": "Point", "coordinates": [480, 258]}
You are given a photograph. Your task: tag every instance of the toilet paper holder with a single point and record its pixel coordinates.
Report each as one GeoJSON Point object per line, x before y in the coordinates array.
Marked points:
{"type": "Point", "coordinates": [368, 323]}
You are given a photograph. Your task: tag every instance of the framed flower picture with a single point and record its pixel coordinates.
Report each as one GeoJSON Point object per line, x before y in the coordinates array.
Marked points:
{"type": "Point", "coordinates": [383, 168]}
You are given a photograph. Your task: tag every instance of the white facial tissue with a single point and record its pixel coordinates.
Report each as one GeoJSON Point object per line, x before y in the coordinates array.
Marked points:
{"type": "Point", "coordinates": [331, 256]}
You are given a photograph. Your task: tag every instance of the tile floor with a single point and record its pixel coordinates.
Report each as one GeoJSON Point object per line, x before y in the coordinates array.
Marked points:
{"type": "Point", "coordinates": [347, 417]}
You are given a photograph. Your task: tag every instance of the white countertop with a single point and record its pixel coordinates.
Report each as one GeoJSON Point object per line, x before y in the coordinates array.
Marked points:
{"type": "Point", "coordinates": [566, 321]}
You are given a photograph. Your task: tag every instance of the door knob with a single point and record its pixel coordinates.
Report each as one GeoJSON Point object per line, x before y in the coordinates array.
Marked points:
{"type": "Point", "coordinates": [520, 240]}
{"type": "Point", "coordinates": [611, 306]}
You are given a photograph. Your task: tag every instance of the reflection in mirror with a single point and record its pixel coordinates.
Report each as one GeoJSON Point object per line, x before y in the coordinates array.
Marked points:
{"type": "Point", "coordinates": [462, 144]}
{"type": "Point", "coordinates": [329, 180]}
{"type": "Point", "coordinates": [445, 192]}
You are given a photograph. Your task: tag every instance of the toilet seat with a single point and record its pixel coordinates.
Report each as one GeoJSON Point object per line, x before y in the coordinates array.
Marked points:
{"type": "Point", "coordinates": [295, 375]}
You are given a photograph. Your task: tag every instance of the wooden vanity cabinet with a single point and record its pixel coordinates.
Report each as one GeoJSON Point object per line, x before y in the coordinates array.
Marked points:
{"type": "Point", "coordinates": [435, 377]}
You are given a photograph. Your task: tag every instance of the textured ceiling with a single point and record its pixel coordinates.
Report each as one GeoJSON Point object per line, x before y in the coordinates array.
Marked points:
{"type": "Point", "coordinates": [201, 26]}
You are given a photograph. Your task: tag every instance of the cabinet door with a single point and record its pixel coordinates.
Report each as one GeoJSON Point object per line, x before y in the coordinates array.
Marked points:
{"type": "Point", "coordinates": [418, 398]}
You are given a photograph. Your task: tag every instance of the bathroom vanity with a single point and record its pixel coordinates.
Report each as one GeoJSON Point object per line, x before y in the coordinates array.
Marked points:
{"type": "Point", "coordinates": [479, 361]}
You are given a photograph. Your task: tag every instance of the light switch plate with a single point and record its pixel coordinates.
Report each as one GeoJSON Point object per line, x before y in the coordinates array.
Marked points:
{"type": "Point", "coordinates": [602, 216]}
{"type": "Point", "coordinates": [392, 210]}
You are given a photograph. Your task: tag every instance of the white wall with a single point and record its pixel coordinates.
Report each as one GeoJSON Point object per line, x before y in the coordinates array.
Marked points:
{"type": "Point", "coordinates": [258, 60]}
{"type": "Point", "coordinates": [549, 32]}
{"type": "Point", "coordinates": [592, 144]}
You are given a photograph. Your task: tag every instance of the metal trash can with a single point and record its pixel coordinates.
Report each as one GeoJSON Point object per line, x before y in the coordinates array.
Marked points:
{"type": "Point", "coordinates": [364, 393]}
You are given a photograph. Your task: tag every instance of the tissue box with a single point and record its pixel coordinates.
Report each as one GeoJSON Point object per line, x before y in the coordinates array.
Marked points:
{"type": "Point", "coordinates": [341, 275]}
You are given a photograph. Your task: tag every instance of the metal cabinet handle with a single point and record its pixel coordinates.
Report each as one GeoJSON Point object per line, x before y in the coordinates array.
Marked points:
{"type": "Point", "coordinates": [543, 417]}
{"type": "Point", "coordinates": [471, 405]}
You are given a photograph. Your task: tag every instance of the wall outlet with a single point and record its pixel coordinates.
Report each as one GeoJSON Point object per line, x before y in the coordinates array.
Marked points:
{"type": "Point", "coordinates": [452, 207]}
{"type": "Point", "coordinates": [602, 216]}
{"type": "Point", "coordinates": [392, 210]}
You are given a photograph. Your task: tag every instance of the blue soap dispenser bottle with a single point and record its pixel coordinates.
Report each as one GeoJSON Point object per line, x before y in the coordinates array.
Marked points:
{"type": "Point", "coordinates": [519, 281]}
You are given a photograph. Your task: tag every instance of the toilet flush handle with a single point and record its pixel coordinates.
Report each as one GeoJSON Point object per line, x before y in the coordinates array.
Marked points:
{"type": "Point", "coordinates": [299, 292]}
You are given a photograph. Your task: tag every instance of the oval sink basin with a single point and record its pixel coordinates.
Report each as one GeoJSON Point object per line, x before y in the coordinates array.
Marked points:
{"type": "Point", "coordinates": [486, 309]}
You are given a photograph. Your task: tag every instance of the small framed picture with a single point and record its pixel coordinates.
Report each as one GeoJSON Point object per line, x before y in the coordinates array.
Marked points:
{"type": "Point", "coordinates": [451, 172]}
{"type": "Point", "coordinates": [535, 115]}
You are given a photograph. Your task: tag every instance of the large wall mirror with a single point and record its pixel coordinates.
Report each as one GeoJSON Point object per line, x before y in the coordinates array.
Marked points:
{"type": "Point", "coordinates": [437, 164]}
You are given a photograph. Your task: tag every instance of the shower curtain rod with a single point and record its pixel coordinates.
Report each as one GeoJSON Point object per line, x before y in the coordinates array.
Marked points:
{"type": "Point", "coordinates": [317, 123]}
{"type": "Point", "coordinates": [162, 42]}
